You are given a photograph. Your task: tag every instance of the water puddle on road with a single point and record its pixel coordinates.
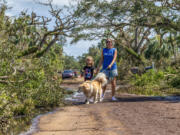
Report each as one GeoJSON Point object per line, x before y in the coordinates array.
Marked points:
{"type": "Point", "coordinates": [172, 98]}
{"type": "Point", "coordinates": [34, 125]}
{"type": "Point", "coordinates": [75, 97]}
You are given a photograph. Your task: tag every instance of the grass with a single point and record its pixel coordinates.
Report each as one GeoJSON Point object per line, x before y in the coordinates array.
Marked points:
{"type": "Point", "coordinates": [73, 81]}
{"type": "Point", "coordinates": [150, 90]}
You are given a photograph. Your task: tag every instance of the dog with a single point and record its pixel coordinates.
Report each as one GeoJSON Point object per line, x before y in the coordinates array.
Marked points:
{"type": "Point", "coordinates": [93, 88]}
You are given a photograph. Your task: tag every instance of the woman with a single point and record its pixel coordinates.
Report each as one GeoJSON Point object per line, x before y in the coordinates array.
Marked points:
{"type": "Point", "coordinates": [108, 61]}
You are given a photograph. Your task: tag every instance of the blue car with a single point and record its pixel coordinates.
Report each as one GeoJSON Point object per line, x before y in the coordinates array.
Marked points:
{"type": "Point", "coordinates": [68, 74]}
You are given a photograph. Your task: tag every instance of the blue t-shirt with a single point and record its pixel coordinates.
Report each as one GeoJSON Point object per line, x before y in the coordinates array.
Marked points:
{"type": "Point", "coordinates": [108, 55]}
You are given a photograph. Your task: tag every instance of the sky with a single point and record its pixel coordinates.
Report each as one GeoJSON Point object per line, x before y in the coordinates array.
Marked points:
{"type": "Point", "coordinates": [21, 5]}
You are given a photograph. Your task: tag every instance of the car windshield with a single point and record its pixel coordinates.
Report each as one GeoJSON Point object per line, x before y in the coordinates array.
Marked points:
{"type": "Point", "coordinates": [67, 71]}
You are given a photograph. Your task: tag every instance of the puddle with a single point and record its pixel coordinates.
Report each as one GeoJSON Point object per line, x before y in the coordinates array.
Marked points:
{"type": "Point", "coordinates": [172, 98]}
{"type": "Point", "coordinates": [75, 97]}
{"type": "Point", "coordinates": [34, 125]}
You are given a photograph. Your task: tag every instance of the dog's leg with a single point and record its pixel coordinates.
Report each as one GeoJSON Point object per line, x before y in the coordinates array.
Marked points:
{"type": "Point", "coordinates": [87, 100]}
{"type": "Point", "coordinates": [100, 95]}
{"type": "Point", "coordinates": [95, 98]}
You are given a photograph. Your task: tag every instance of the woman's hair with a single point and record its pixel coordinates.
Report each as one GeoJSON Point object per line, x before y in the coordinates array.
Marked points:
{"type": "Point", "coordinates": [91, 59]}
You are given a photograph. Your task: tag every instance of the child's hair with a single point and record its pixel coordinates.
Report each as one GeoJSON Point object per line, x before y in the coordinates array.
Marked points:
{"type": "Point", "coordinates": [91, 59]}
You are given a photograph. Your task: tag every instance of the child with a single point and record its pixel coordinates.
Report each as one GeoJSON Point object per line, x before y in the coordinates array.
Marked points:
{"type": "Point", "coordinates": [89, 68]}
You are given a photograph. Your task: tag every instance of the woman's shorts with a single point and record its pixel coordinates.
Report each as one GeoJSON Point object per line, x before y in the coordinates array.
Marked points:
{"type": "Point", "coordinates": [110, 73]}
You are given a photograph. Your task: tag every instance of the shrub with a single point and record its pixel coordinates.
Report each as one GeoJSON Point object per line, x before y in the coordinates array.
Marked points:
{"type": "Point", "coordinates": [175, 82]}
{"type": "Point", "coordinates": [150, 77]}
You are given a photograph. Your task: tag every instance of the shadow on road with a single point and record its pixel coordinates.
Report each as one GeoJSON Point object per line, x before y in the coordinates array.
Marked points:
{"type": "Point", "coordinates": [169, 99]}
{"type": "Point", "coordinates": [172, 99]}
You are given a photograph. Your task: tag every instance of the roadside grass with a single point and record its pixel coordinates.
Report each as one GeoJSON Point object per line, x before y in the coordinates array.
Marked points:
{"type": "Point", "coordinates": [149, 90]}
{"type": "Point", "coordinates": [72, 81]}
{"type": "Point", "coordinates": [152, 83]}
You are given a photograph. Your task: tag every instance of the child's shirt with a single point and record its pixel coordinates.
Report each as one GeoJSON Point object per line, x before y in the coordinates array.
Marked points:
{"type": "Point", "coordinates": [88, 72]}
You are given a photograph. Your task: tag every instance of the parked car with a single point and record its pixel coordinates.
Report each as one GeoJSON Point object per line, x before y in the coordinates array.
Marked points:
{"type": "Point", "coordinates": [68, 74]}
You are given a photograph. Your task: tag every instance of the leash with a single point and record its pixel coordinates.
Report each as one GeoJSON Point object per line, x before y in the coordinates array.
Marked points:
{"type": "Point", "coordinates": [105, 72]}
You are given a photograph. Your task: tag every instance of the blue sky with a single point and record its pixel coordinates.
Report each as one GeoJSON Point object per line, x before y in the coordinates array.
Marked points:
{"type": "Point", "coordinates": [19, 5]}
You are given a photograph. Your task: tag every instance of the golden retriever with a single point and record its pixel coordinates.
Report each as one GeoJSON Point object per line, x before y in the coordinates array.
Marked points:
{"type": "Point", "coordinates": [93, 88]}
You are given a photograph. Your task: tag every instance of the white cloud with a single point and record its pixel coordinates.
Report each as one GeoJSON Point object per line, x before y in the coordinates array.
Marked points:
{"type": "Point", "coordinates": [61, 2]}
{"type": "Point", "coordinates": [9, 14]}
{"type": "Point", "coordinates": [79, 48]}
{"type": "Point", "coordinates": [15, 2]}
{"type": "Point", "coordinates": [57, 2]}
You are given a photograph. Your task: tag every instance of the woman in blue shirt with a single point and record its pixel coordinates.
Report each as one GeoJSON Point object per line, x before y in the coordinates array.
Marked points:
{"type": "Point", "coordinates": [109, 66]}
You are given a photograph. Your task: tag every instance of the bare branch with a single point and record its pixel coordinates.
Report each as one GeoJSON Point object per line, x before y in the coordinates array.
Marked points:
{"type": "Point", "coordinates": [4, 77]}
{"type": "Point", "coordinates": [14, 73]}
{"type": "Point", "coordinates": [145, 35]}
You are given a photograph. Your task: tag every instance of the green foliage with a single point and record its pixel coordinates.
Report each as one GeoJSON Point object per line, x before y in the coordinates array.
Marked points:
{"type": "Point", "coordinates": [94, 52]}
{"type": "Point", "coordinates": [149, 78]}
{"type": "Point", "coordinates": [26, 83]}
{"type": "Point", "coordinates": [173, 76]}
{"type": "Point", "coordinates": [170, 70]}
{"type": "Point", "coordinates": [70, 62]}
{"type": "Point", "coordinates": [31, 87]}
{"type": "Point", "coordinates": [132, 24]}
{"type": "Point", "coordinates": [175, 82]}
{"type": "Point", "coordinates": [151, 90]}
{"type": "Point", "coordinates": [145, 90]}
{"type": "Point", "coordinates": [163, 82]}
{"type": "Point", "coordinates": [158, 51]}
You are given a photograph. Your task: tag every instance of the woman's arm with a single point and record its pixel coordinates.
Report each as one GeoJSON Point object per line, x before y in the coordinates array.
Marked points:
{"type": "Point", "coordinates": [114, 59]}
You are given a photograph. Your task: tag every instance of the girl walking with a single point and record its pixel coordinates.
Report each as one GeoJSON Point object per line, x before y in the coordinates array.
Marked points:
{"type": "Point", "coordinates": [89, 68]}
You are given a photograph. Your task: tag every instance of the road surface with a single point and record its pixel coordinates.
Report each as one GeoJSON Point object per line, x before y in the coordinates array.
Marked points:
{"type": "Point", "coordinates": [131, 115]}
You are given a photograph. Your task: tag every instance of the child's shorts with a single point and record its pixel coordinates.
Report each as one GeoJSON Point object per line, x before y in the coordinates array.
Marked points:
{"type": "Point", "coordinates": [110, 74]}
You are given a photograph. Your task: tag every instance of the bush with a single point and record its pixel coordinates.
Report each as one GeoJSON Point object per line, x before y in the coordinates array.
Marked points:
{"type": "Point", "coordinates": [26, 82]}
{"type": "Point", "coordinates": [150, 77]}
{"type": "Point", "coordinates": [31, 86]}
{"type": "Point", "coordinates": [175, 82]}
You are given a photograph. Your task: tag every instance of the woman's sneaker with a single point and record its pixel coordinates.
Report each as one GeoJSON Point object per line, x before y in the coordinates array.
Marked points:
{"type": "Point", "coordinates": [114, 99]}
{"type": "Point", "coordinates": [102, 98]}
